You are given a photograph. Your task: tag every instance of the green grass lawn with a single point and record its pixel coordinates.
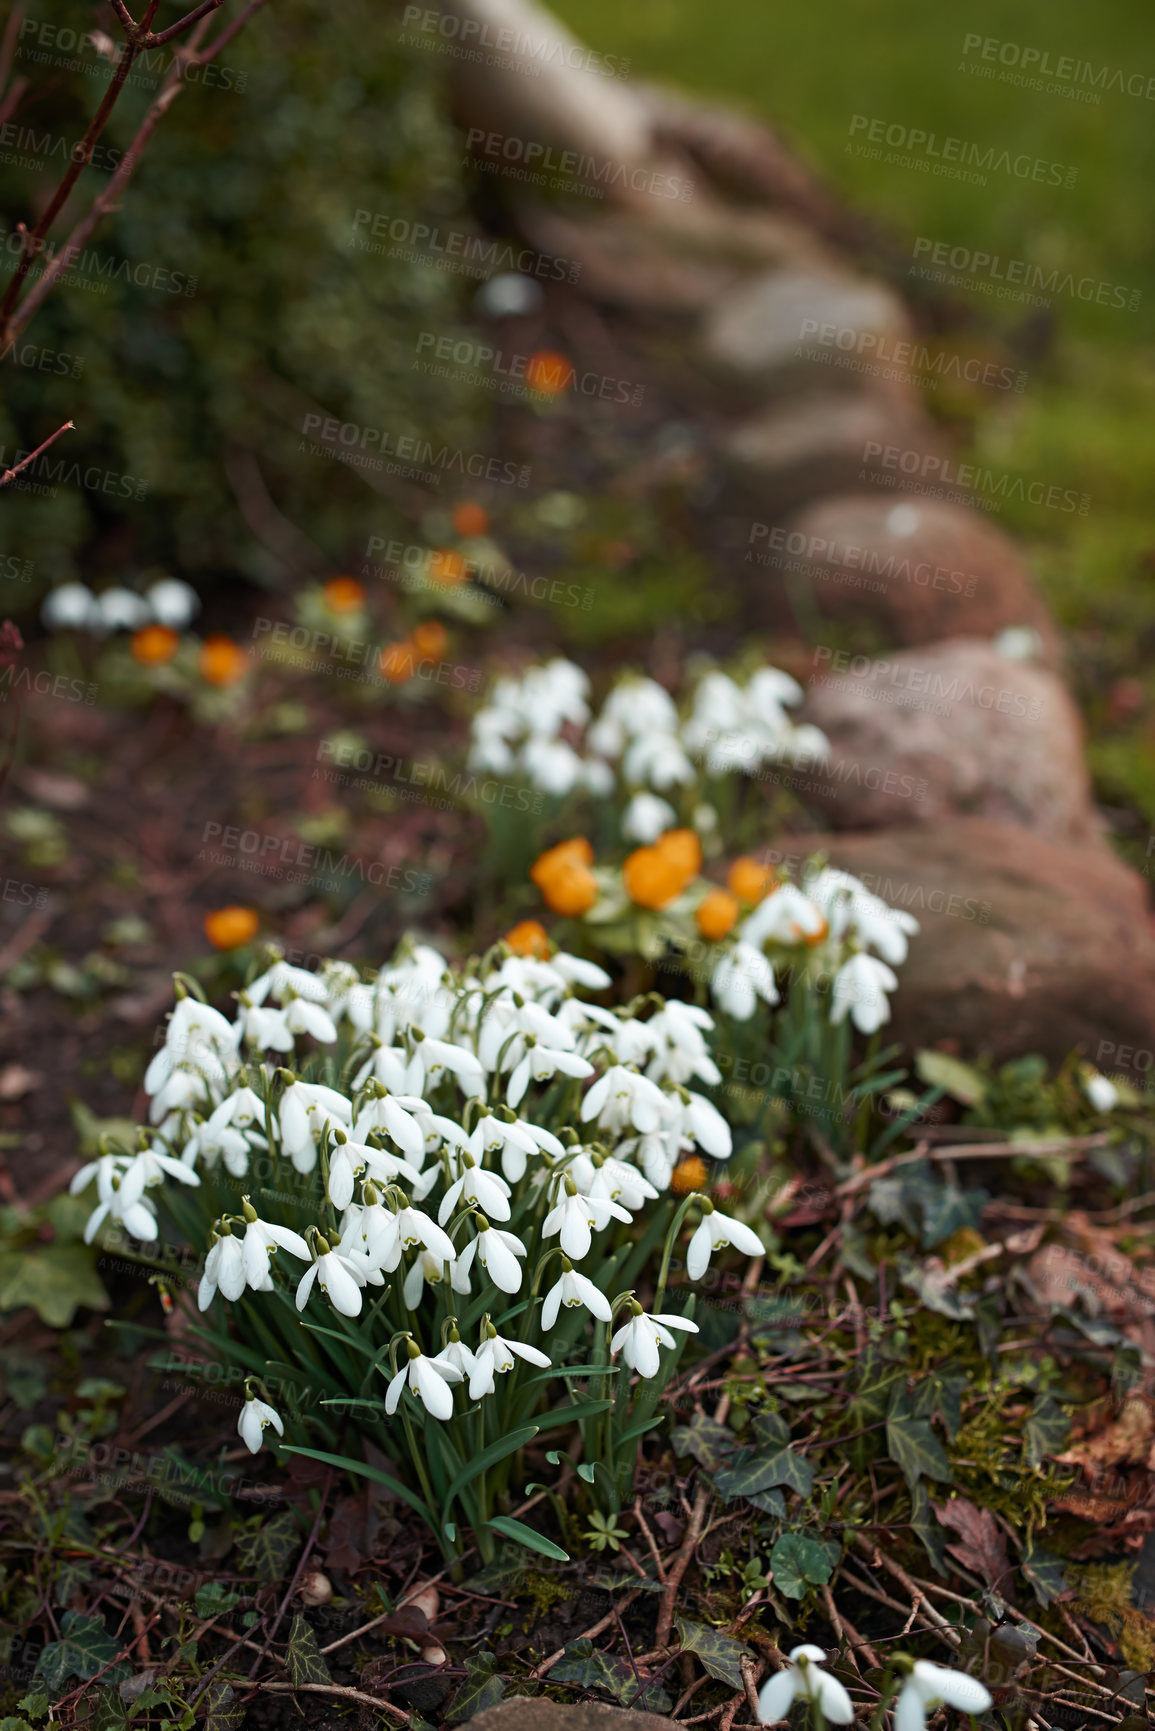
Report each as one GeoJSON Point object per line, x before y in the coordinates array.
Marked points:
{"type": "Point", "coordinates": [1087, 419]}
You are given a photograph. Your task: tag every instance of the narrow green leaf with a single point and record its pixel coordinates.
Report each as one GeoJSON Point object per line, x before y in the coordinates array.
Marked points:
{"type": "Point", "coordinates": [365, 1471]}
{"type": "Point", "coordinates": [523, 1535]}
{"type": "Point", "coordinates": [497, 1451]}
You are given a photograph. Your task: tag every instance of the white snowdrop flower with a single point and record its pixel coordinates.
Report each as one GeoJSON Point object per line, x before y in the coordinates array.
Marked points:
{"type": "Point", "coordinates": [647, 817]}
{"type": "Point", "coordinates": [302, 1017]}
{"type": "Point", "coordinates": [621, 1098]}
{"type": "Point", "coordinates": [767, 690]}
{"type": "Point", "coordinates": [679, 1045]}
{"type": "Point", "coordinates": [497, 1252]}
{"type": "Point", "coordinates": [430, 1379]}
{"type": "Point", "coordinates": [340, 1278]}
{"type": "Point", "coordinates": [639, 706]}
{"type": "Point", "coordinates": [860, 986]}
{"type": "Point", "coordinates": [576, 971]}
{"type": "Point", "coordinates": [598, 777]}
{"type": "Point", "coordinates": [573, 1215]}
{"type": "Point", "coordinates": [495, 1357]}
{"type": "Point", "coordinates": [517, 1142]}
{"type": "Point", "coordinates": [489, 746]}
{"type": "Point", "coordinates": [431, 1058]}
{"type": "Point", "coordinates": [741, 977]}
{"type": "Point", "coordinates": [306, 1111]}
{"type": "Point", "coordinates": [658, 760]}
{"type": "Point", "coordinates": [716, 1231]}
{"type": "Point", "coordinates": [120, 1189]}
{"type": "Point", "coordinates": [173, 603]}
{"type": "Point", "coordinates": [265, 1028]}
{"type": "Point", "coordinates": [154, 1166]}
{"type": "Point", "coordinates": [657, 1152]}
{"type": "Point", "coordinates": [224, 1271]}
{"type": "Point", "coordinates": [412, 1227]}
{"type": "Point", "coordinates": [638, 1340]}
{"type": "Point", "coordinates": [851, 909]}
{"type": "Point", "coordinates": [282, 978]}
{"type": "Point", "coordinates": [717, 708]}
{"type": "Point", "coordinates": [702, 1120]}
{"type": "Point", "coordinates": [785, 917]}
{"type": "Point", "coordinates": [242, 1110]}
{"type": "Point", "coordinates": [425, 1269]}
{"type": "Point", "coordinates": [395, 1117]}
{"type": "Point", "coordinates": [456, 1353]}
{"type": "Point", "coordinates": [1100, 1091]}
{"type": "Point", "coordinates": [806, 745]}
{"type": "Point", "coordinates": [804, 1677]}
{"type": "Point", "coordinates": [261, 1242]}
{"type": "Point", "coordinates": [197, 1036]}
{"type": "Point", "coordinates": [571, 1290]}
{"type": "Point", "coordinates": [553, 766]}
{"type": "Point", "coordinates": [483, 1190]}
{"type": "Point", "coordinates": [256, 1415]}
{"type": "Point", "coordinates": [605, 1176]}
{"type": "Point", "coordinates": [103, 1169]}
{"type": "Point", "coordinates": [347, 1161]}
{"type": "Point", "coordinates": [120, 609]}
{"type": "Point", "coordinates": [540, 1064]}
{"type": "Point", "coordinates": [928, 1686]}
{"type": "Point", "coordinates": [71, 607]}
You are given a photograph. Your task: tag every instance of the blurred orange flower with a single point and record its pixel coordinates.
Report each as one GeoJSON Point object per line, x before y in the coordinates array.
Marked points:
{"type": "Point", "coordinates": [563, 876]}
{"type": "Point", "coordinates": [429, 639]}
{"type": "Point", "coordinates": [153, 645]}
{"type": "Point", "coordinates": [689, 1174]}
{"type": "Point", "coordinates": [655, 876]}
{"type": "Point", "coordinates": [447, 567]}
{"type": "Point", "coordinates": [229, 928]}
{"type": "Point", "coordinates": [470, 519]}
{"type": "Point", "coordinates": [750, 880]}
{"type": "Point", "coordinates": [529, 938]}
{"type": "Point", "coordinates": [221, 661]}
{"type": "Point", "coordinates": [397, 662]}
{"type": "Point", "coordinates": [344, 595]}
{"type": "Point", "coordinates": [549, 373]}
{"type": "Point", "coordinates": [717, 914]}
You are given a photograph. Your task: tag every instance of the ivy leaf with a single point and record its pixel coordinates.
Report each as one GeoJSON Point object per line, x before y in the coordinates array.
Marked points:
{"type": "Point", "coordinates": [940, 1394]}
{"type": "Point", "coordinates": [583, 1666]}
{"type": "Point", "coordinates": [928, 1530]}
{"type": "Point", "coordinates": [912, 1445]}
{"type": "Point", "coordinates": [54, 1280]}
{"type": "Point", "coordinates": [799, 1563]}
{"type": "Point", "coordinates": [213, 1600]}
{"type": "Point", "coordinates": [481, 1688]}
{"type": "Point", "coordinates": [303, 1659]}
{"type": "Point", "coordinates": [757, 1469]}
{"type": "Point", "coordinates": [71, 1572]}
{"type": "Point", "coordinates": [1046, 1429]}
{"type": "Point", "coordinates": [225, 1712]}
{"type": "Point", "coordinates": [771, 1429]}
{"type": "Point", "coordinates": [951, 1211]}
{"type": "Point", "coordinates": [720, 1654]}
{"type": "Point", "coordinates": [769, 1502]}
{"type": "Point", "coordinates": [85, 1648]}
{"type": "Point", "coordinates": [707, 1442]}
{"type": "Point", "coordinates": [955, 1078]}
{"type": "Point", "coordinates": [1045, 1572]}
{"type": "Point", "coordinates": [266, 1550]}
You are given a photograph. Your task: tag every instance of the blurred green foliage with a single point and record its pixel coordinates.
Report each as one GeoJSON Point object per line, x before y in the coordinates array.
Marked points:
{"type": "Point", "coordinates": [252, 192]}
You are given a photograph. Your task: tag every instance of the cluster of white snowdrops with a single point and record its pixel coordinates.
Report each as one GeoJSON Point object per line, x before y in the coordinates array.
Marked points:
{"type": "Point", "coordinates": [452, 1180]}
{"type": "Point", "coordinates": [75, 607]}
{"type": "Point", "coordinates": [849, 936]}
{"type": "Point", "coordinates": [925, 1686]}
{"type": "Point", "coordinates": [640, 747]}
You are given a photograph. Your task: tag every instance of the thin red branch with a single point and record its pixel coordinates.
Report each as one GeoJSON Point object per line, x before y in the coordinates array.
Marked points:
{"type": "Point", "coordinates": [157, 38]}
{"type": "Point", "coordinates": [10, 474]}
